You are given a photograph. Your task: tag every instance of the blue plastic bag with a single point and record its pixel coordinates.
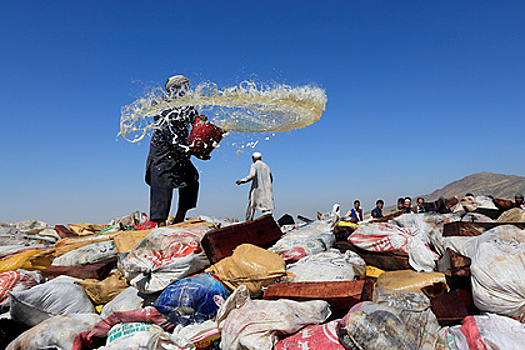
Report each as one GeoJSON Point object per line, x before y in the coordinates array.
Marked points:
{"type": "Point", "coordinates": [192, 300]}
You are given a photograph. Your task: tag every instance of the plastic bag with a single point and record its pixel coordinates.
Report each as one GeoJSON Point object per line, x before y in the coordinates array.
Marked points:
{"type": "Point", "coordinates": [429, 225]}
{"type": "Point", "coordinates": [57, 332]}
{"type": "Point", "coordinates": [164, 256]}
{"type": "Point", "coordinates": [135, 218]}
{"type": "Point", "coordinates": [41, 302]}
{"type": "Point", "coordinates": [322, 336]}
{"type": "Point", "coordinates": [256, 324]}
{"type": "Point", "coordinates": [10, 235]}
{"type": "Point", "coordinates": [489, 331]}
{"type": "Point", "coordinates": [192, 299]}
{"type": "Point", "coordinates": [86, 229]}
{"type": "Point", "coordinates": [432, 284]}
{"type": "Point", "coordinates": [127, 300]}
{"type": "Point", "coordinates": [138, 329]}
{"type": "Point", "coordinates": [96, 253]}
{"type": "Point", "coordinates": [29, 260]}
{"type": "Point", "coordinates": [312, 238]}
{"type": "Point", "coordinates": [102, 292]}
{"type": "Point", "coordinates": [370, 325]}
{"type": "Point", "coordinates": [328, 266]}
{"type": "Point", "coordinates": [68, 244]}
{"type": "Point", "coordinates": [249, 265]}
{"type": "Point", "coordinates": [8, 251]}
{"type": "Point", "coordinates": [390, 238]}
{"type": "Point", "coordinates": [36, 227]}
{"type": "Point", "coordinates": [14, 281]}
{"type": "Point", "coordinates": [202, 335]}
{"type": "Point", "coordinates": [497, 269]}
{"type": "Point", "coordinates": [512, 215]}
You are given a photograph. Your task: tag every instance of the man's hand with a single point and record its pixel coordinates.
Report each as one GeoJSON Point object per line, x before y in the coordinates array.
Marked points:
{"type": "Point", "coordinates": [238, 182]}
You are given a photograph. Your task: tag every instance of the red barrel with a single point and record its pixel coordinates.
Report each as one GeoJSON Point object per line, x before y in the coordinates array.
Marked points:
{"type": "Point", "coordinates": [204, 137]}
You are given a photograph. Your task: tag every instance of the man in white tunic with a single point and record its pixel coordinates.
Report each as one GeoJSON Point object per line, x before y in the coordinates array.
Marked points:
{"type": "Point", "coordinates": [261, 197]}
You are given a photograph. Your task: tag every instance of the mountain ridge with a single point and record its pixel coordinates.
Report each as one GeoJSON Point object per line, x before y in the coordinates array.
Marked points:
{"type": "Point", "coordinates": [482, 183]}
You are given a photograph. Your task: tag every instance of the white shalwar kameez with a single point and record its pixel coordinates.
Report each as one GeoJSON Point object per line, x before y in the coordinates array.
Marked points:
{"type": "Point", "coordinates": [261, 197]}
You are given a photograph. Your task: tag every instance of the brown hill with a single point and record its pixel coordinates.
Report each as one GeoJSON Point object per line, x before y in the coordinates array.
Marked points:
{"type": "Point", "coordinates": [483, 183]}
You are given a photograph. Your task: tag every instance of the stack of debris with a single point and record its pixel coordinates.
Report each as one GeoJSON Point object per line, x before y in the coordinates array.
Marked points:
{"type": "Point", "coordinates": [443, 279]}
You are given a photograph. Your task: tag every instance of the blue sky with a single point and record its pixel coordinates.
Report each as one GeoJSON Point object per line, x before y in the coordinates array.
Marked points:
{"type": "Point", "coordinates": [420, 93]}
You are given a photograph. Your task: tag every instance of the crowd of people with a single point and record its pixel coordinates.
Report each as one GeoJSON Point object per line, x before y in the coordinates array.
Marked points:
{"type": "Point", "coordinates": [404, 205]}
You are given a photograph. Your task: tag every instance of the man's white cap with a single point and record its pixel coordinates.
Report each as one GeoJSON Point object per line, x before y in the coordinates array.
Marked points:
{"type": "Point", "coordinates": [256, 155]}
{"type": "Point", "coordinates": [176, 81]}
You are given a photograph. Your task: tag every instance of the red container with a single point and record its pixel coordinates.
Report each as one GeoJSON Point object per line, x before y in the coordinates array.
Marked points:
{"type": "Point", "coordinates": [204, 137]}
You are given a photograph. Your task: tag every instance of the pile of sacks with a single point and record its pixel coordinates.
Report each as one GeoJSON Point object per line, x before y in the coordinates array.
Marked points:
{"type": "Point", "coordinates": [155, 288]}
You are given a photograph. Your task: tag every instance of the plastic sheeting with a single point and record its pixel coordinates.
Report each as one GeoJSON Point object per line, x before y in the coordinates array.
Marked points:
{"type": "Point", "coordinates": [192, 299]}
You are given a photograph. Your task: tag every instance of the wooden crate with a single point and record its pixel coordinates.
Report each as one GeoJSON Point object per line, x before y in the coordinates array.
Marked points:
{"type": "Point", "coordinates": [95, 271]}
{"type": "Point", "coordinates": [384, 261]}
{"type": "Point", "coordinates": [64, 232]}
{"type": "Point", "coordinates": [451, 308]}
{"type": "Point", "coordinates": [341, 295]}
{"type": "Point", "coordinates": [459, 264]}
{"type": "Point", "coordinates": [219, 244]}
{"type": "Point", "coordinates": [460, 228]}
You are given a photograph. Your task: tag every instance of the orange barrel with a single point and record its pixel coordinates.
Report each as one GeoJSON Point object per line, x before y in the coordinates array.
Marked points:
{"type": "Point", "coordinates": [204, 137]}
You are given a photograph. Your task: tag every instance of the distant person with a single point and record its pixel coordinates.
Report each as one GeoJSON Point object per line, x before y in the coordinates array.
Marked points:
{"type": "Point", "coordinates": [518, 201]}
{"type": "Point", "coordinates": [356, 213]}
{"type": "Point", "coordinates": [407, 204]}
{"type": "Point", "coordinates": [261, 196]}
{"type": "Point", "coordinates": [377, 212]}
{"type": "Point", "coordinates": [400, 205]}
{"type": "Point", "coordinates": [420, 206]}
{"type": "Point", "coordinates": [168, 165]}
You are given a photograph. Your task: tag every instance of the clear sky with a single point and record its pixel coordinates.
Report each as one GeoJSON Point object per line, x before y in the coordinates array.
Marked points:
{"type": "Point", "coordinates": [420, 93]}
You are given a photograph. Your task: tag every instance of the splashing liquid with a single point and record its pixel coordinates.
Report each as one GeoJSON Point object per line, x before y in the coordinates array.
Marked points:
{"type": "Point", "coordinates": [247, 107]}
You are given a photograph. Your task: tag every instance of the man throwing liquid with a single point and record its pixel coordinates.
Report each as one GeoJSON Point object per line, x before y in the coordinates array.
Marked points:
{"type": "Point", "coordinates": [169, 165]}
{"type": "Point", "coordinates": [261, 197]}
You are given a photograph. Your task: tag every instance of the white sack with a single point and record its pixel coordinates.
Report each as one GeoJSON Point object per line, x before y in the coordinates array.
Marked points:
{"type": "Point", "coordinates": [37, 227]}
{"type": "Point", "coordinates": [15, 281]}
{"type": "Point", "coordinates": [129, 299]}
{"type": "Point", "coordinates": [496, 332]}
{"type": "Point", "coordinates": [143, 336]}
{"type": "Point", "coordinates": [328, 266]}
{"type": "Point", "coordinates": [497, 269]}
{"type": "Point", "coordinates": [96, 253]}
{"type": "Point", "coordinates": [255, 324]}
{"type": "Point", "coordinates": [164, 256]}
{"type": "Point", "coordinates": [385, 237]}
{"type": "Point", "coordinates": [41, 302]}
{"type": "Point", "coordinates": [312, 238]}
{"type": "Point", "coordinates": [57, 332]}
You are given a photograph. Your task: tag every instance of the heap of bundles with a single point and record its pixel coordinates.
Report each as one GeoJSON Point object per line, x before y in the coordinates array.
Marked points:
{"type": "Point", "coordinates": [434, 280]}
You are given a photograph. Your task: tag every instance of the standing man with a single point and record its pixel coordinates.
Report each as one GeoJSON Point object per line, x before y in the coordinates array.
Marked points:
{"type": "Point", "coordinates": [261, 196]}
{"type": "Point", "coordinates": [169, 165]}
